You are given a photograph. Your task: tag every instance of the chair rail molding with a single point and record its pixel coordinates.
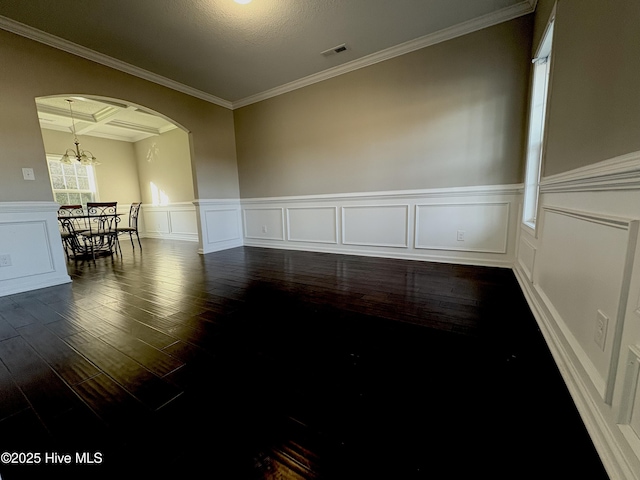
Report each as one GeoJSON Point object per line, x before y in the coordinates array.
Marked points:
{"type": "Point", "coordinates": [618, 173]}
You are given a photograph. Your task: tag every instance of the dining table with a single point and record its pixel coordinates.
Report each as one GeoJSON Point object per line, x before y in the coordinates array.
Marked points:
{"type": "Point", "coordinates": [89, 235]}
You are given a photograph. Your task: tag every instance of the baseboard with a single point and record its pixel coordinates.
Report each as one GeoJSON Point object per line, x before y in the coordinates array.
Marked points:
{"type": "Point", "coordinates": [474, 261]}
{"type": "Point", "coordinates": [29, 284]}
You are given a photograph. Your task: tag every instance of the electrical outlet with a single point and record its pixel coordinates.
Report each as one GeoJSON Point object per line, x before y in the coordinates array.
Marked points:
{"type": "Point", "coordinates": [461, 235]}
{"type": "Point", "coordinates": [5, 260]}
{"type": "Point", "coordinates": [602, 322]}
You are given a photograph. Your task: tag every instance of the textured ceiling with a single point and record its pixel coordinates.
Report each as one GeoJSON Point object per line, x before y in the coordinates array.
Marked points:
{"type": "Point", "coordinates": [220, 50]}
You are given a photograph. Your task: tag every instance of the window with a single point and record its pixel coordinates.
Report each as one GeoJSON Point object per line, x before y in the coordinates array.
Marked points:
{"type": "Point", "coordinates": [72, 184]}
{"type": "Point", "coordinates": [539, 93]}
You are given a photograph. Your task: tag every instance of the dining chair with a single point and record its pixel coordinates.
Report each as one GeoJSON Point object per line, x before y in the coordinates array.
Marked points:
{"type": "Point", "coordinates": [102, 234]}
{"type": "Point", "coordinates": [71, 227]}
{"type": "Point", "coordinates": [134, 212]}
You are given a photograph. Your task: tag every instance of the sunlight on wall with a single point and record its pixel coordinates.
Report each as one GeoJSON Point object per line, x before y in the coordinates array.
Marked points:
{"type": "Point", "coordinates": [158, 196]}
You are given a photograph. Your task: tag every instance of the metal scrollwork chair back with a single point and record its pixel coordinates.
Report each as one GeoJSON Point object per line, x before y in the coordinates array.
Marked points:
{"type": "Point", "coordinates": [134, 212]}
{"type": "Point", "coordinates": [71, 227]}
{"type": "Point", "coordinates": [103, 222]}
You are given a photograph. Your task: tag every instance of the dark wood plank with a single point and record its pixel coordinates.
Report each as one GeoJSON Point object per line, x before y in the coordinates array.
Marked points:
{"type": "Point", "coordinates": [13, 401]}
{"type": "Point", "coordinates": [133, 377]}
{"type": "Point", "coordinates": [149, 357]}
{"type": "Point", "coordinates": [289, 364]}
{"type": "Point", "coordinates": [66, 362]}
{"type": "Point", "coordinates": [46, 392]}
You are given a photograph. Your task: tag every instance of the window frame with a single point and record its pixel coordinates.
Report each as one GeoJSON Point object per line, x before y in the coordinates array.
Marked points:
{"type": "Point", "coordinates": [93, 184]}
{"type": "Point", "coordinates": [537, 125]}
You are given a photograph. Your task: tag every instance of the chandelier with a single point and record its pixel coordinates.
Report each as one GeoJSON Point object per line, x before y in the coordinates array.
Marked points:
{"type": "Point", "coordinates": [84, 157]}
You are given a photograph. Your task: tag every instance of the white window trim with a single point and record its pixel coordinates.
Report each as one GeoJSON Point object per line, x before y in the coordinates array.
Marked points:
{"type": "Point", "coordinates": [92, 179]}
{"type": "Point", "coordinates": [533, 171]}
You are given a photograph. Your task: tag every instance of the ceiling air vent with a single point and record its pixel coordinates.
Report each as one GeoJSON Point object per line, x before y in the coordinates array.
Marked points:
{"type": "Point", "coordinates": [334, 50]}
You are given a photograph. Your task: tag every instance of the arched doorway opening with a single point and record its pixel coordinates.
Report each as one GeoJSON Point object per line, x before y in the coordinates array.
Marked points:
{"type": "Point", "coordinates": [143, 157]}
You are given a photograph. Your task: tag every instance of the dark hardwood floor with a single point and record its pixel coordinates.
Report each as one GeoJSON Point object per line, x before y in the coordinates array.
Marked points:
{"type": "Point", "coordinates": [267, 364]}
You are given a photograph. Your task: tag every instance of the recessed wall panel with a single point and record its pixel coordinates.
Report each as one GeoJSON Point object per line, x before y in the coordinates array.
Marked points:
{"type": "Point", "coordinates": [29, 249]}
{"type": "Point", "coordinates": [184, 222]}
{"type": "Point", "coordinates": [264, 223]}
{"type": "Point", "coordinates": [222, 225]}
{"type": "Point", "coordinates": [156, 221]}
{"type": "Point", "coordinates": [313, 224]}
{"type": "Point", "coordinates": [477, 227]}
{"type": "Point", "coordinates": [376, 225]}
{"type": "Point", "coordinates": [582, 268]}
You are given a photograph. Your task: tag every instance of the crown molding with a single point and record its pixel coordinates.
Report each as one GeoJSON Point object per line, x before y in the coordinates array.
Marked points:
{"type": "Point", "coordinates": [509, 13]}
{"type": "Point", "coordinates": [88, 54]}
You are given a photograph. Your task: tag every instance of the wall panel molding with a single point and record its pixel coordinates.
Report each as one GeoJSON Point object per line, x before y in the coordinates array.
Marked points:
{"type": "Point", "coordinates": [527, 258]}
{"type": "Point", "coordinates": [376, 225]}
{"type": "Point", "coordinates": [29, 234]}
{"type": "Point", "coordinates": [264, 223]}
{"type": "Point", "coordinates": [219, 224]}
{"type": "Point", "coordinates": [597, 251]}
{"type": "Point", "coordinates": [484, 226]}
{"type": "Point", "coordinates": [386, 224]}
{"type": "Point", "coordinates": [175, 221]}
{"type": "Point", "coordinates": [312, 224]}
{"type": "Point", "coordinates": [582, 261]}
{"type": "Point", "coordinates": [612, 451]}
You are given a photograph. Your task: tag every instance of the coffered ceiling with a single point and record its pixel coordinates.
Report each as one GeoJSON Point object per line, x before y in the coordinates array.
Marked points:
{"type": "Point", "coordinates": [106, 118]}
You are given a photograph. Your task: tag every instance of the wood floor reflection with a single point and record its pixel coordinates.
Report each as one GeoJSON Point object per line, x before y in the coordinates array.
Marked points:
{"type": "Point", "coordinates": [269, 364]}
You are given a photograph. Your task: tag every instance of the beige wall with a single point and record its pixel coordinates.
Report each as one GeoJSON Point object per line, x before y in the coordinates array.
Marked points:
{"type": "Point", "coordinates": [117, 174]}
{"type": "Point", "coordinates": [452, 114]}
{"type": "Point", "coordinates": [165, 161]}
{"type": "Point", "coordinates": [32, 70]}
{"type": "Point", "coordinates": [594, 107]}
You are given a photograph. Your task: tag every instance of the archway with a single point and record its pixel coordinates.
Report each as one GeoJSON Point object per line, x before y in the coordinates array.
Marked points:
{"type": "Point", "coordinates": [144, 156]}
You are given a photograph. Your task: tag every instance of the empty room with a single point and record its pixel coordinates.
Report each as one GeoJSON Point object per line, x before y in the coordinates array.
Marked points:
{"type": "Point", "coordinates": [268, 239]}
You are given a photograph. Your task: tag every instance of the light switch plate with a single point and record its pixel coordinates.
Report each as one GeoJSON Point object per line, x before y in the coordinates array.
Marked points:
{"type": "Point", "coordinates": [27, 174]}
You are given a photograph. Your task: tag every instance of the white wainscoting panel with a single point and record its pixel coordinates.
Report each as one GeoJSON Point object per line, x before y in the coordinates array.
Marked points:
{"type": "Point", "coordinates": [484, 227]}
{"type": "Point", "coordinates": [312, 224]}
{"type": "Point", "coordinates": [176, 221]}
{"type": "Point", "coordinates": [34, 260]}
{"type": "Point", "coordinates": [390, 224]}
{"type": "Point", "coordinates": [220, 224]}
{"type": "Point", "coordinates": [584, 268]}
{"type": "Point", "coordinates": [264, 223]}
{"type": "Point", "coordinates": [184, 222]}
{"type": "Point", "coordinates": [156, 222]}
{"type": "Point", "coordinates": [586, 258]}
{"type": "Point", "coordinates": [527, 257]}
{"type": "Point", "coordinates": [29, 234]}
{"type": "Point", "coordinates": [376, 225]}
{"type": "Point", "coordinates": [629, 420]}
